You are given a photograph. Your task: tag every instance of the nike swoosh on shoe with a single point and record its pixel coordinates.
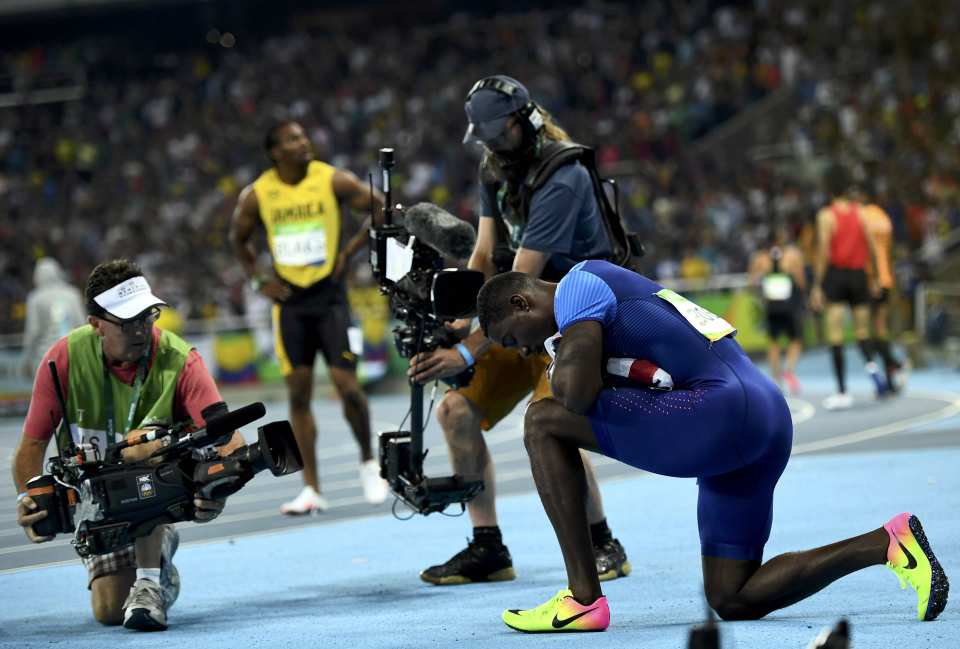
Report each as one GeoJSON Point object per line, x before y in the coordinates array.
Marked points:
{"type": "Point", "coordinates": [911, 560]}
{"type": "Point", "coordinates": [559, 624]}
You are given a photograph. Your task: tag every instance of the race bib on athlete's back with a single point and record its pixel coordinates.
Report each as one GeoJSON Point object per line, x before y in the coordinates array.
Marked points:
{"type": "Point", "coordinates": [776, 287]}
{"type": "Point", "coordinates": [712, 326]}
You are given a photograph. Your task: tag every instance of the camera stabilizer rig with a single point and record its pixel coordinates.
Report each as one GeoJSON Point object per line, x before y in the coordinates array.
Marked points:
{"type": "Point", "coordinates": [108, 503]}
{"type": "Point", "coordinates": [423, 296]}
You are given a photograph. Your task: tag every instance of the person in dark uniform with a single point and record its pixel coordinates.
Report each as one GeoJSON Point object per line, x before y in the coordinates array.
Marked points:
{"type": "Point", "coordinates": [778, 270]}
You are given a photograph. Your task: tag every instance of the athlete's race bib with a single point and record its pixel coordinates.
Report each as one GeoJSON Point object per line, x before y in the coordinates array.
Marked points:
{"type": "Point", "coordinates": [712, 326]}
{"type": "Point", "coordinates": [300, 248]}
{"type": "Point", "coordinates": [776, 287]}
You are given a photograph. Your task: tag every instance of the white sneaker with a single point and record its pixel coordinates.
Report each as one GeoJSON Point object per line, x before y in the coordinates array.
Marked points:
{"type": "Point", "coordinates": [375, 488]}
{"type": "Point", "coordinates": [838, 401]}
{"type": "Point", "coordinates": [145, 608]}
{"type": "Point", "coordinates": [901, 375]}
{"type": "Point", "coordinates": [308, 502]}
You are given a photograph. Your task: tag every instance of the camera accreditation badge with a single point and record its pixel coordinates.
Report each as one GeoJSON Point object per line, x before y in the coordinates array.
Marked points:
{"type": "Point", "coordinates": [145, 486]}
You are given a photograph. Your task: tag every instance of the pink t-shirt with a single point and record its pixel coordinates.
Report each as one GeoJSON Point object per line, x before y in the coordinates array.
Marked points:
{"type": "Point", "coordinates": [195, 389]}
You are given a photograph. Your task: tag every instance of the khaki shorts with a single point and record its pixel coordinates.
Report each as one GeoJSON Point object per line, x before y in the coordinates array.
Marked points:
{"type": "Point", "coordinates": [501, 379]}
{"type": "Point", "coordinates": [100, 565]}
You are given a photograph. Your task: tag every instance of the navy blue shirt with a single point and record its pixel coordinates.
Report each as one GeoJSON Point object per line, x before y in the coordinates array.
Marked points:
{"type": "Point", "coordinates": [564, 220]}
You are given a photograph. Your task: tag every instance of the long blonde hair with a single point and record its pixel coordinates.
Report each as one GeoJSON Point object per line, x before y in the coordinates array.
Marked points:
{"type": "Point", "coordinates": [551, 130]}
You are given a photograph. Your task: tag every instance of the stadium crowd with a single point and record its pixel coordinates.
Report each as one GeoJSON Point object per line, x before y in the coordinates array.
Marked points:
{"type": "Point", "coordinates": [149, 162]}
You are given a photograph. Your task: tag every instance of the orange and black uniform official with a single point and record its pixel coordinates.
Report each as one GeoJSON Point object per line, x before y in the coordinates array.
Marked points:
{"type": "Point", "coordinates": [303, 224]}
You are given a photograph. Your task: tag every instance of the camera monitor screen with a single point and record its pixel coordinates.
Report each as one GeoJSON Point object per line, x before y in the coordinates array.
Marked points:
{"type": "Point", "coordinates": [454, 293]}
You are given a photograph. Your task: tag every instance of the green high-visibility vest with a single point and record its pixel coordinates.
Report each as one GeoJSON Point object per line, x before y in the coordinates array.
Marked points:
{"type": "Point", "coordinates": [86, 404]}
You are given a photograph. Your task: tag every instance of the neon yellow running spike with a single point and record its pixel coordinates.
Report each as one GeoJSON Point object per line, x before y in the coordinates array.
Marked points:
{"type": "Point", "coordinates": [910, 558]}
{"type": "Point", "coordinates": [559, 614]}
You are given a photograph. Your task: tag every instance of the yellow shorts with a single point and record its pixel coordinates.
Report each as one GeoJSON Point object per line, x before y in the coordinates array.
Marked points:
{"type": "Point", "coordinates": [502, 378]}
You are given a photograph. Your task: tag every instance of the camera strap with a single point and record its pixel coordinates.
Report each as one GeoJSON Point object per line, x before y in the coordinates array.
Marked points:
{"type": "Point", "coordinates": [134, 398]}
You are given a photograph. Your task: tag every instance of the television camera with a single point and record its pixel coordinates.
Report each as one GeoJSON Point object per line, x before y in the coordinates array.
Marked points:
{"type": "Point", "coordinates": [407, 259]}
{"type": "Point", "coordinates": [107, 503]}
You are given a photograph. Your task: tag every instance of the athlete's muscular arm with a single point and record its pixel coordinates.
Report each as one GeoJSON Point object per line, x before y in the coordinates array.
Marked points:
{"type": "Point", "coordinates": [873, 264]}
{"type": "Point", "coordinates": [758, 268]}
{"type": "Point", "coordinates": [793, 264]}
{"type": "Point", "coordinates": [577, 379]}
{"type": "Point", "coordinates": [824, 234]}
{"type": "Point", "coordinates": [244, 221]}
{"type": "Point", "coordinates": [245, 218]}
{"type": "Point", "coordinates": [355, 194]}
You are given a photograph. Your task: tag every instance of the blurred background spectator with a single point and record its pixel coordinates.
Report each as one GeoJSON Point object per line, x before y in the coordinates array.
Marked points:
{"type": "Point", "coordinates": [716, 117]}
{"type": "Point", "coordinates": [54, 307]}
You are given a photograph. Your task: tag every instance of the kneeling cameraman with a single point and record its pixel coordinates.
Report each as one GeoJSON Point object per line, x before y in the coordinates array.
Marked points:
{"type": "Point", "coordinates": [120, 373]}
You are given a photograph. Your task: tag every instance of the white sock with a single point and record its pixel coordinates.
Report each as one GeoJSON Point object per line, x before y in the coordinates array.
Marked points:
{"type": "Point", "coordinates": [153, 574]}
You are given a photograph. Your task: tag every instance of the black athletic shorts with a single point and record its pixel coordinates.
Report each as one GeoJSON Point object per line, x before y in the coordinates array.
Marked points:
{"type": "Point", "coordinates": [311, 320]}
{"type": "Point", "coordinates": [785, 323]}
{"type": "Point", "coordinates": [846, 285]}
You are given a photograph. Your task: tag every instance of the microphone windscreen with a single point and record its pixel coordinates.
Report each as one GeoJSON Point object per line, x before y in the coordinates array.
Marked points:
{"type": "Point", "coordinates": [231, 421]}
{"type": "Point", "coordinates": [442, 231]}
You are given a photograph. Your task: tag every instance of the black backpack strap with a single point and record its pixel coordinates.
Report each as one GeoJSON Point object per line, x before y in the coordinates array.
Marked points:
{"type": "Point", "coordinates": [559, 154]}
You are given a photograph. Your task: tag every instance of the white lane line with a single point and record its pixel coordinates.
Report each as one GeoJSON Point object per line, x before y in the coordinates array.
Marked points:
{"type": "Point", "coordinates": [801, 410]}
{"type": "Point", "coordinates": [49, 564]}
{"type": "Point", "coordinates": [953, 408]}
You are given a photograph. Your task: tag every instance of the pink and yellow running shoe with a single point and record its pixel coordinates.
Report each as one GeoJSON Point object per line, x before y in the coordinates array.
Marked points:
{"type": "Point", "coordinates": [910, 558]}
{"type": "Point", "coordinates": [559, 614]}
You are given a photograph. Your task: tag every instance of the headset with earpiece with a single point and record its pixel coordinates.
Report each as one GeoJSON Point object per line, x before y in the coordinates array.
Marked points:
{"type": "Point", "coordinates": [529, 111]}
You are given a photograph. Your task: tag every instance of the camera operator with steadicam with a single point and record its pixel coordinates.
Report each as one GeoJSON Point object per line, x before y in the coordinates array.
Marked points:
{"type": "Point", "coordinates": [121, 374]}
{"type": "Point", "coordinates": [540, 213]}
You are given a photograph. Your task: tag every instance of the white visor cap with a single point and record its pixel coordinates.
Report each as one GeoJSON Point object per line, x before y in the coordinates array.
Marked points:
{"type": "Point", "coordinates": [128, 299]}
